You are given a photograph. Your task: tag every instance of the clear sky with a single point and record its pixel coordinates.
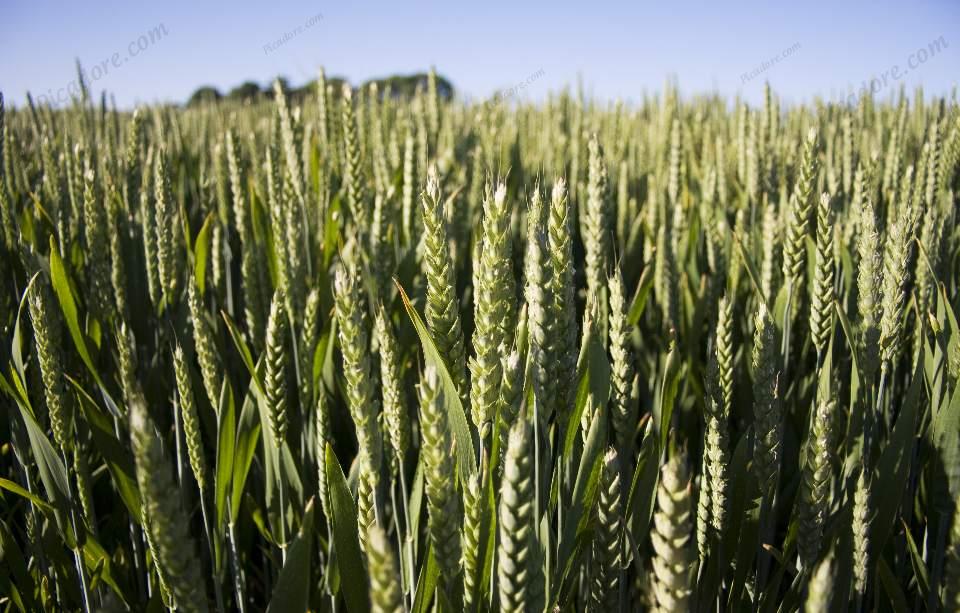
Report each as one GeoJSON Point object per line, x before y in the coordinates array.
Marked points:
{"type": "Point", "coordinates": [618, 49]}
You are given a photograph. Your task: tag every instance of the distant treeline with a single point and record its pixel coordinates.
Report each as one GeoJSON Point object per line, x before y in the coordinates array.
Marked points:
{"type": "Point", "coordinates": [400, 86]}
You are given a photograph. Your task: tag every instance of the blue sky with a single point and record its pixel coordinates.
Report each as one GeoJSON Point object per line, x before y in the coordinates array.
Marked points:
{"type": "Point", "coordinates": [618, 49]}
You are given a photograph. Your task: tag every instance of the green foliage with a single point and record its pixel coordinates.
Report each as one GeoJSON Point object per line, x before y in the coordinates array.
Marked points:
{"type": "Point", "coordinates": [326, 348]}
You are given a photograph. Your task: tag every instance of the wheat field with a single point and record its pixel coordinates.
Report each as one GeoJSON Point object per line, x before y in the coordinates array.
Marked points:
{"type": "Point", "coordinates": [361, 351]}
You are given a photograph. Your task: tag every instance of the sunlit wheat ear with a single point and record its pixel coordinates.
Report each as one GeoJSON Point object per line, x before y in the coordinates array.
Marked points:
{"type": "Point", "coordinates": [379, 249]}
{"type": "Point", "coordinates": [323, 109]}
{"type": "Point", "coordinates": [815, 482]}
{"type": "Point", "coordinates": [289, 141]}
{"type": "Point", "coordinates": [47, 341]}
{"type": "Point", "coordinates": [307, 346]}
{"type": "Point", "coordinates": [168, 526]}
{"type": "Point", "coordinates": [294, 249]}
{"type": "Point", "coordinates": [898, 258]}
{"type": "Point", "coordinates": [516, 524]}
{"type": "Point", "coordinates": [148, 228]}
{"type": "Point", "coordinates": [473, 507]}
{"type": "Point", "coordinates": [275, 372]}
{"type": "Point", "coordinates": [205, 344]}
{"type": "Point", "coordinates": [411, 230]}
{"type": "Point", "coordinates": [117, 228]}
{"type": "Point", "coordinates": [167, 228]}
{"type": "Point", "coordinates": [52, 179]}
{"type": "Point", "coordinates": [596, 221]}
{"type": "Point", "coordinates": [133, 150]}
{"type": "Point", "coordinates": [822, 292]}
{"type": "Point", "coordinates": [221, 179]}
{"type": "Point", "coordinates": [439, 472]}
{"type": "Point", "coordinates": [847, 153]}
{"type": "Point", "coordinates": [560, 243]}
{"type": "Point", "coordinates": [442, 308]}
{"type": "Point", "coordinates": [351, 312]}
{"type": "Point", "coordinates": [323, 437]}
{"type": "Point", "coordinates": [820, 587]}
{"type": "Point", "coordinates": [539, 308]}
{"type": "Point", "coordinates": [862, 514]}
{"type": "Point", "coordinates": [433, 105]}
{"type": "Point", "coordinates": [869, 283]}
{"type": "Point", "coordinates": [97, 245]}
{"type": "Point", "coordinates": [395, 415]}
{"type": "Point", "coordinates": [771, 245]}
{"type": "Point", "coordinates": [366, 503]}
{"type": "Point", "coordinates": [674, 556]}
{"type": "Point", "coordinates": [386, 595]}
{"type": "Point", "coordinates": [794, 250]}
{"type": "Point", "coordinates": [276, 205]}
{"type": "Point", "coordinates": [353, 177]}
{"type": "Point", "coordinates": [127, 363]}
{"type": "Point", "coordinates": [494, 304]}
{"type": "Point", "coordinates": [768, 421]}
{"type": "Point", "coordinates": [607, 544]}
{"type": "Point", "coordinates": [256, 294]}
{"type": "Point", "coordinates": [190, 419]}
{"type": "Point", "coordinates": [380, 164]}
{"type": "Point", "coordinates": [8, 229]}
{"type": "Point", "coordinates": [163, 579]}
{"type": "Point", "coordinates": [624, 406]}
{"type": "Point", "coordinates": [236, 170]}
{"type": "Point", "coordinates": [724, 354]}
{"type": "Point", "coordinates": [81, 471]}
{"type": "Point", "coordinates": [714, 481]}
{"type": "Point", "coordinates": [752, 180]}
{"type": "Point", "coordinates": [930, 233]}
{"type": "Point", "coordinates": [673, 180]}
{"type": "Point", "coordinates": [70, 213]}
{"type": "Point", "coordinates": [511, 392]}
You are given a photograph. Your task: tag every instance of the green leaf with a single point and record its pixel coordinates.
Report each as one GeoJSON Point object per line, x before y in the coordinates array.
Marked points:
{"type": "Point", "coordinates": [751, 268]}
{"type": "Point", "coordinates": [244, 350]}
{"type": "Point", "coordinates": [466, 458]}
{"type": "Point", "coordinates": [98, 560]}
{"type": "Point", "coordinates": [53, 473]}
{"type": "Point", "coordinates": [426, 583]}
{"type": "Point", "coordinates": [668, 394]}
{"type": "Point", "coordinates": [891, 585]}
{"type": "Point", "coordinates": [116, 454]}
{"type": "Point", "coordinates": [894, 464]}
{"type": "Point", "coordinates": [68, 304]}
{"type": "Point", "coordinates": [639, 301]}
{"type": "Point", "coordinates": [343, 522]}
{"type": "Point", "coordinates": [10, 486]}
{"type": "Point", "coordinates": [292, 589]}
{"type": "Point", "coordinates": [201, 250]}
{"type": "Point", "coordinates": [248, 436]}
{"type": "Point", "coordinates": [16, 347]}
{"type": "Point", "coordinates": [744, 517]}
{"type": "Point", "coordinates": [643, 486]}
{"type": "Point", "coordinates": [331, 231]}
{"type": "Point", "coordinates": [586, 477]}
{"type": "Point", "coordinates": [919, 566]}
{"type": "Point", "coordinates": [20, 585]}
{"type": "Point", "coordinates": [226, 451]}
{"type": "Point", "coordinates": [593, 370]}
